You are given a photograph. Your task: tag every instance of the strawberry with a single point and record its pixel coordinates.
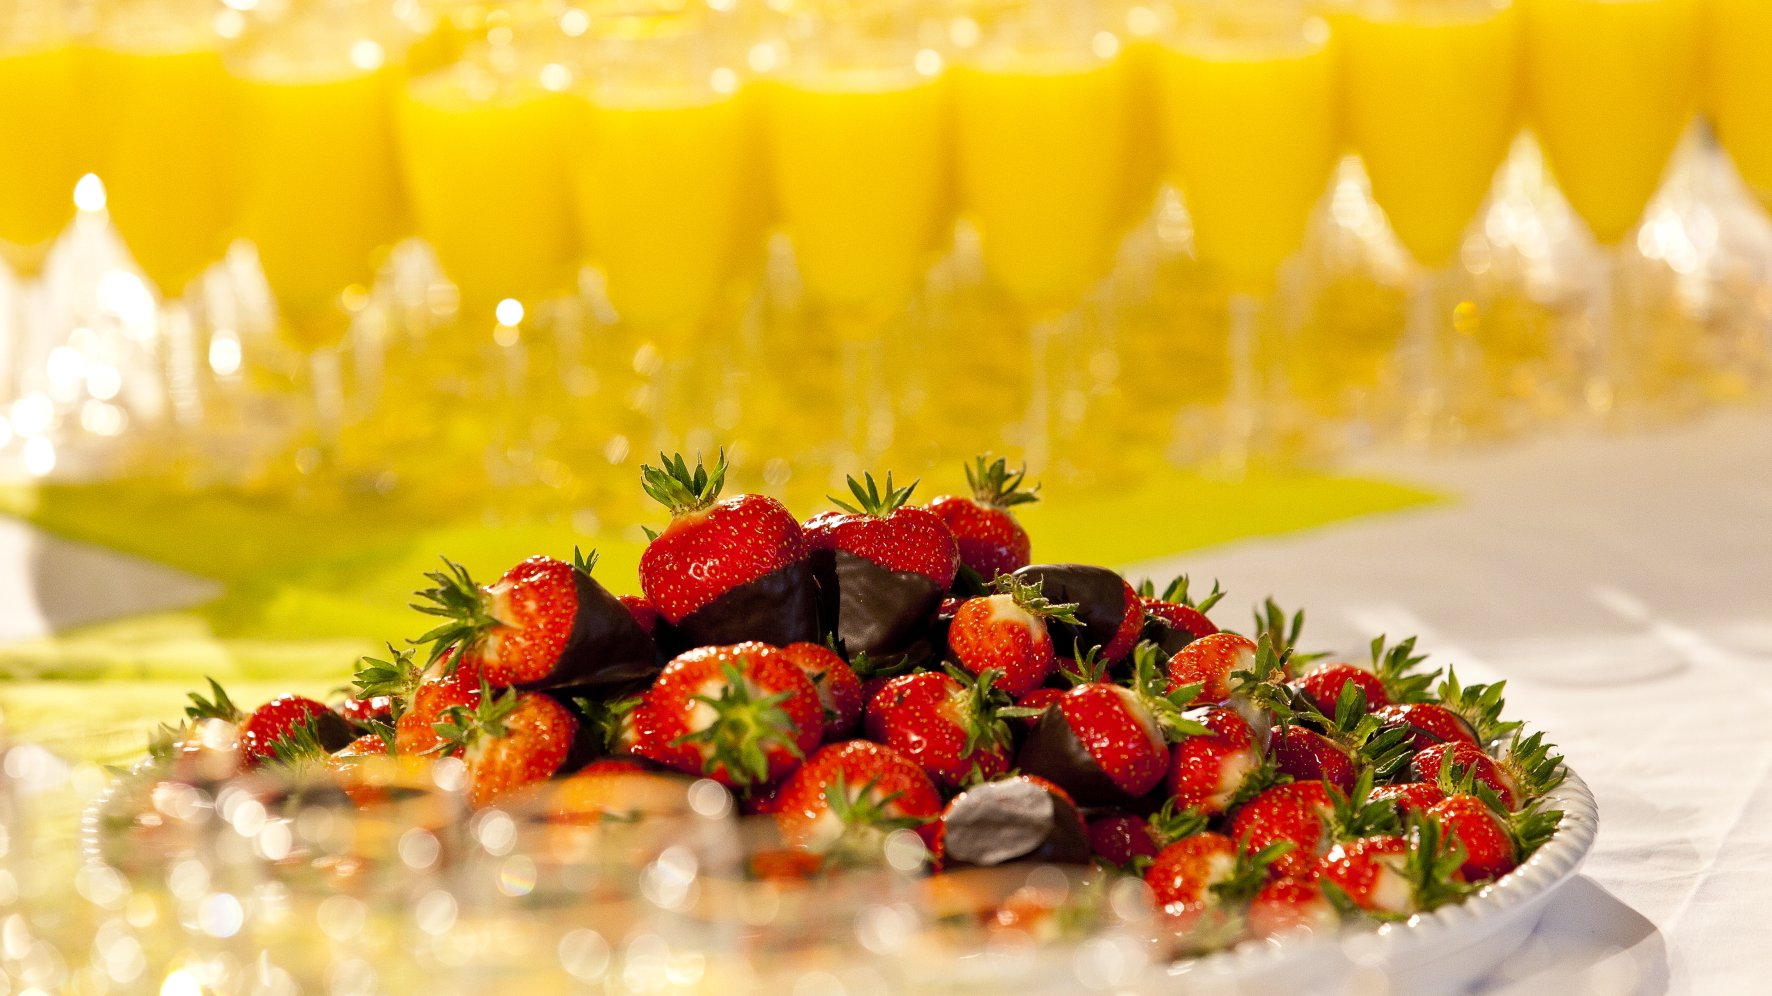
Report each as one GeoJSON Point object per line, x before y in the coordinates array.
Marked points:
{"type": "Point", "coordinates": [1410, 798]}
{"type": "Point", "coordinates": [1019, 818]}
{"type": "Point", "coordinates": [1007, 631]}
{"type": "Point", "coordinates": [644, 613]}
{"type": "Point", "coordinates": [1468, 759]}
{"type": "Point", "coordinates": [368, 773]}
{"type": "Point", "coordinates": [363, 711]}
{"type": "Point", "coordinates": [616, 789]}
{"type": "Point", "coordinates": [1210, 662]}
{"type": "Point", "coordinates": [848, 796]}
{"type": "Point", "coordinates": [1527, 771]}
{"type": "Point", "coordinates": [1285, 905]}
{"type": "Point", "coordinates": [945, 722]}
{"type": "Point", "coordinates": [989, 540]}
{"type": "Point", "coordinates": [1110, 613]}
{"type": "Point", "coordinates": [510, 741]}
{"type": "Point", "coordinates": [1173, 620]}
{"type": "Point", "coordinates": [444, 685]}
{"type": "Point", "coordinates": [1108, 745]}
{"type": "Point", "coordinates": [1311, 816]}
{"type": "Point", "coordinates": [1323, 685]}
{"type": "Point", "coordinates": [1122, 839]}
{"type": "Point", "coordinates": [543, 624]}
{"type": "Point", "coordinates": [279, 729]}
{"type": "Point", "coordinates": [1034, 703]}
{"type": "Point", "coordinates": [882, 529]}
{"type": "Point", "coordinates": [1488, 844]}
{"type": "Point", "coordinates": [1309, 756]}
{"type": "Point", "coordinates": [1209, 771]}
{"type": "Point", "coordinates": [1204, 871]}
{"type": "Point", "coordinates": [1393, 877]}
{"type": "Point", "coordinates": [1392, 677]}
{"type": "Point", "coordinates": [712, 545]}
{"type": "Point", "coordinates": [839, 690]}
{"type": "Point", "coordinates": [1427, 724]}
{"type": "Point", "coordinates": [1339, 745]}
{"type": "Point", "coordinates": [740, 714]}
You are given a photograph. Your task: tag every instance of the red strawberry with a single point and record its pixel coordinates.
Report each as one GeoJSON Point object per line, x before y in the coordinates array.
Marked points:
{"type": "Point", "coordinates": [369, 773]}
{"type": "Point", "coordinates": [1391, 677]}
{"type": "Point", "coordinates": [1182, 875]}
{"type": "Point", "coordinates": [1209, 662]}
{"type": "Point", "coordinates": [363, 711]}
{"type": "Point", "coordinates": [1373, 873]}
{"type": "Point", "coordinates": [1410, 798]}
{"type": "Point", "coordinates": [741, 714]}
{"type": "Point", "coordinates": [1207, 771]}
{"type": "Point", "coordinates": [1007, 631]}
{"type": "Point", "coordinates": [882, 529]}
{"type": "Point", "coordinates": [839, 690]}
{"type": "Point", "coordinates": [617, 789]}
{"type": "Point", "coordinates": [948, 727]}
{"type": "Point", "coordinates": [281, 729]}
{"type": "Point", "coordinates": [1323, 686]}
{"type": "Point", "coordinates": [1292, 813]}
{"type": "Point", "coordinates": [1488, 843]}
{"type": "Point", "coordinates": [848, 796]}
{"type": "Point", "coordinates": [1527, 771]}
{"type": "Point", "coordinates": [1428, 724]}
{"type": "Point", "coordinates": [1291, 904]}
{"type": "Point", "coordinates": [1173, 620]}
{"type": "Point", "coordinates": [1121, 839]}
{"type": "Point", "coordinates": [1039, 699]}
{"type": "Point", "coordinates": [510, 741]}
{"type": "Point", "coordinates": [444, 685]}
{"type": "Point", "coordinates": [989, 539]}
{"type": "Point", "coordinates": [1109, 612]}
{"type": "Point", "coordinates": [642, 610]}
{"type": "Point", "coordinates": [711, 546]}
{"type": "Point", "coordinates": [1429, 764]}
{"type": "Point", "coordinates": [1310, 756]}
{"type": "Point", "coordinates": [530, 626]}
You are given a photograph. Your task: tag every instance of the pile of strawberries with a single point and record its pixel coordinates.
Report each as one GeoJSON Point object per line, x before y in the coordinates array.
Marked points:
{"type": "Point", "coordinates": [888, 667]}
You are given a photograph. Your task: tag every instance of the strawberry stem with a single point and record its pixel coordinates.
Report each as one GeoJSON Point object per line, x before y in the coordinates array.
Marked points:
{"type": "Point", "coordinates": [994, 486]}
{"type": "Point", "coordinates": [870, 501]}
{"type": "Point", "coordinates": [680, 489]}
{"type": "Point", "coordinates": [463, 604]}
{"type": "Point", "coordinates": [743, 725]}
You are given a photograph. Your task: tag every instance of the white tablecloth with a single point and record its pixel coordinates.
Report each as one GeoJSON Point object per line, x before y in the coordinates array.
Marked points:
{"type": "Point", "coordinates": [1623, 587]}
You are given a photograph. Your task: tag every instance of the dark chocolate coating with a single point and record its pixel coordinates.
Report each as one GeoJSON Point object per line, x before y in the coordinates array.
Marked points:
{"type": "Point", "coordinates": [1169, 639]}
{"type": "Point", "coordinates": [606, 646]}
{"type": "Point", "coordinates": [1054, 753]}
{"type": "Point", "coordinates": [587, 741]}
{"type": "Point", "coordinates": [779, 608]}
{"type": "Point", "coordinates": [334, 731]}
{"type": "Point", "coordinates": [884, 614]}
{"type": "Point", "coordinates": [1100, 596]}
{"type": "Point", "coordinates": [1012, 820]}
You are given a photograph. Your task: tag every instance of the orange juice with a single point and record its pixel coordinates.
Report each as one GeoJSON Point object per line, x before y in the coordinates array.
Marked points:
{"type": "Point", "coordinates": [1739, 87]}
{"type": "Point", "coordinates": [38, 162]}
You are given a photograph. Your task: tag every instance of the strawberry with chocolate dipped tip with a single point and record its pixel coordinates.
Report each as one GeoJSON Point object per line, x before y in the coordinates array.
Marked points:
{"type": "Point", "coordinates": [724, 570]}
{"type": "Point", "coordinates": [990, 541]}
{"type": "Point", "coordinates": [883, 568]}
{"type": "Point", "coordinates": [1105, 744]}
{"type": "Point", "coordinates": [1173, 619]}
{"type": "Point", "coordinates": [280, 729]}
{"type": "Point", "coordinates": [947, 722]}
{"type": "Point", "coordinates": [847, 797]}
{"type": "Point", "coordinates": [839, 689]}
{"type": "Point", "coordinates": [510, 740]}
{"type": "Point", "coordinates": [1008, 631]}
{"type": "Point", "coordinates": [1018, 818]}
{"type": "Point", "coordinates": [645, 615]}
{"type": "Point", "coordinates": [544, 624]}
{"type": "Point", "coordinates": [742, 715]}
{"type": "Point", "coordinates": [1110, 615]}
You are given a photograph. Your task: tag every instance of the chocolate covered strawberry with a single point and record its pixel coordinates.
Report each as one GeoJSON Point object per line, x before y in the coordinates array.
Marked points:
{"type": "Point", "coordinates": [510, 741]}
{"type": "Point", "coordinates": [945, 722]}
{"type": "Point", "coordinates": [1018, 818]}
{"type": "Point", "coordinates": [1173, 620]}
{"type": "Point", "coordinates": [883, 568]}
{"type": "Point", "coordinates": [641, 608]}
{"type": "Point", "coordinates": [1008, 632]}
{"type": "Point", "coordinates": [1123, 840]}
{"type": "Point", "coordinates": [742, 715]}
{"type": "Point", "coordinates": [990, 541]}
{"type": "Point", "coordinates": [839, 690]}
{"type": "Point", "coordinates": [724, 570]}
{"type": "Point", "coordinates": [1109, 612]}
{"type": "Point", "coordinates": [848, 796]}
{"type": "Point", "coordinates": [1209, 771]}
{"type": "Point", "coordinates": [544, 624]}
{"type": "Point", "coordinates": [881, 528]}
{"type": "Point", "coordinates": [289, 727]}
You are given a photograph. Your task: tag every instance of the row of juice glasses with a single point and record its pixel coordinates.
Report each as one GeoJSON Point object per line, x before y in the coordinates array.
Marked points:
{"type": "Point", "coordinates": [663, 142]}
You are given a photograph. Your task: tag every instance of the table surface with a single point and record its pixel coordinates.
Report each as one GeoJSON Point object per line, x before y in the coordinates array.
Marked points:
{"type": "Point", "coordinates": [1621, 586]}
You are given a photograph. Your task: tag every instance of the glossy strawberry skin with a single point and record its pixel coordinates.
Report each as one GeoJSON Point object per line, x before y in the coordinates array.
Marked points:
{"type": "Point", "coordinates": [989, 539]}
{"type": "Point", "coordinates": [1426, 767]}
{"type": "Point", "coordinates": [1323, 687]}
{"type": "Point", "coordinates": [702, 555]}
{"type": "Point", "coordinates": [536, 601]}
{"type": "Point", "coordinates": [379, 708]}
{"type": "Point", "coordinates": [1206, 771]}
{"type": "Point", "coordinates": [899, 790]}
{"type": "Point", "coordinates": [643, 611]}
{"type": "Point", "coordinates": [1181, 876]}
{"type": "Point", "coordinates": [1488, 847]}
{"type": "Point", "coordinates": [1131, 628]}
{"type": "Point", "coordinates": [670, 710]}
{"type": "Point", "coordinates": [1039, 698]}
{"type": "Point", "coordinates": [1292, 904]}
{"type": "Point", "coordinates": [1210, 661]}
{"type": "Point", "coordinates": [538, 738]}
{"type": "Point", "coordinates": [1428, 724]}
{"type": "Point", "coordinates": [925, 716]}
{"type": "Point", "coordinates": [839, 690]}
{"type": "Point", "coordinates": [994, 632]}
{"type": "Point", "coordinates": [1369, 872]}
{"type": "Point", "coordinates": [1307, 755]}
{"type": "Point", "coordinates": [908, 539]}
{"type": "Point", "coordinates": [1292, 813]}
{"type": "Point", "coordinates": [440, 689]}
{"type": "Point", "coordinates": [1119, 838]}
{"type": "Point", "coordinates": [1410, 797]}
{"type": "Point", "coordinates": [1185, 618]}
{"type": "Point", "coordinates": [275, 719]}
{"type": "Point", "coordinates": [1119, 734]}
